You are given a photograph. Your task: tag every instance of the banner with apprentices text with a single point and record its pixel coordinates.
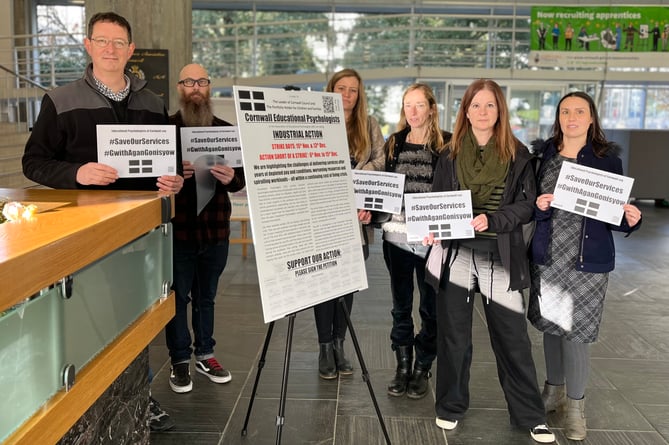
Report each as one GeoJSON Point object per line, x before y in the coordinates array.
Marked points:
{"type": "Point", "coordinates": [301, 202]}
{"type": "Point", "coordinates": [599, 36]}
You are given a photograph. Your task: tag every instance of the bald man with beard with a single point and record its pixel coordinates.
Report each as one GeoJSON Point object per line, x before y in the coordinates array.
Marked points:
{"type": "Point", "coordinates": [201, 243]}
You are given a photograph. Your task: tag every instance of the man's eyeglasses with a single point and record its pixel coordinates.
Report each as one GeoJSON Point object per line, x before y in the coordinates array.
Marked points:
{"type": "Point", "coordinates": [191, 82]}
{"type": "Point", "coordinates": [103, 42]}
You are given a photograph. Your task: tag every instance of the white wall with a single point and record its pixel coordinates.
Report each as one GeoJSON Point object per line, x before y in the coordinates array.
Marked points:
{"type": "Point", "coordinates": [224, 107]}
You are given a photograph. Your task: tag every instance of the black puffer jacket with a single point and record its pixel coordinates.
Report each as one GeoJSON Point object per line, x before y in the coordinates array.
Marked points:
{"type": "Point", "coordinates": [516, 209]}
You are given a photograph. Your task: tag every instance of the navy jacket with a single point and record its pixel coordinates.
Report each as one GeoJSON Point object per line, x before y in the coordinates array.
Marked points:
{"type": "Point", "coordinates": [597, 251]}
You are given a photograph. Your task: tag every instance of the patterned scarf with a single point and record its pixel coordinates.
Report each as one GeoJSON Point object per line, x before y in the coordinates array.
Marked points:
{"type": "Point", "coordinates": [480, 171]}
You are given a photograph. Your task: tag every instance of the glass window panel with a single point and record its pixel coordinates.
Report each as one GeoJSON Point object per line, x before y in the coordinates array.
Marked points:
{"type": "Point", "coordinates": [623, 107]}
{"type": "Point", "coordinates": [657, 108]}
{"type": "Point", "coordinates": [31, 358]}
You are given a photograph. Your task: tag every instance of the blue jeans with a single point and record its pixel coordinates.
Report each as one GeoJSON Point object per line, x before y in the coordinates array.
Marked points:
{"type": "Point", "coordinates": [196, 272]}
{"type": "Point", "coordinates": [401, 265]}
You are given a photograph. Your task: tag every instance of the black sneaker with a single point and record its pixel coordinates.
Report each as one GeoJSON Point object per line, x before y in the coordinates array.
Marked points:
{"type": "Point", "coordinates": [180, 381]}
{"type": "Point", "coordinates": [213, 370]}
{"type": "Point", "coordinates": [159, 420]}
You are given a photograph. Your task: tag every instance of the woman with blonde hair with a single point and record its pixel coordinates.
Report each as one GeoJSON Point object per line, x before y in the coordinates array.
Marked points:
{"type": "Point", "coordinates": [413, 151]}
{"type": "Point", "coordinates": [365, 140]}
{"type": "Point", "coordinates": [485, 158]}
{"type": "Point", "coordinates": [365, 145]}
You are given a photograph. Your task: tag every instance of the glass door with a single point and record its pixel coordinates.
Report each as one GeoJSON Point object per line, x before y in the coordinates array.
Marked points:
{"type": "Point", "coordinates": [453, 100]}
{"type": "Point", "coordinates": [532, 111]}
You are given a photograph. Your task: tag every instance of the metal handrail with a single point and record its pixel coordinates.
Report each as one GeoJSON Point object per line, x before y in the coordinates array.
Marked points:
{"type": "Point", "coordinates": [23, 78]}
{"type": "Point", "coordinates": [30, 65]}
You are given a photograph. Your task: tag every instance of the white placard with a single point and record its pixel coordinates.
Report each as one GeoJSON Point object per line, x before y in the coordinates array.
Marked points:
{"type": "Point", "coordinates": [378, 191]}
{"type": "Point", "coordinates": [205, 147]}
{"type": "Point", "coordinates": [591, 192]}
{"type": "Point", "coordinates": [301, 202]}
{"type": "Point", "coordinates": [447, 215]}
{"type": "Point", "coordinates": [211, 144]}
{"type": "Point", "coordinates": [137, 151]}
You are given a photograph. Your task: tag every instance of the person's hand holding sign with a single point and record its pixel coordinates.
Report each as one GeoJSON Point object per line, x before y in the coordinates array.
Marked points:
{"type": "Point", "coordinates": [632, 214]}
{"type": "Point", "coordinates": [223, 173]}
{"type": "Point", "coordinates": [429, 240]}
{"type": "Point", "coordinates": [94, 173]}
{"type": "Point", "coordinates": [189, 169]}
{"type": "Point", "coordinates": [364, 216]}
{"type": "Point", "coordinates": [170, 183]}
{"type": "Point", "coordinates": [480, 222]}
{"type": "Point", "coordinates": [544, 201]}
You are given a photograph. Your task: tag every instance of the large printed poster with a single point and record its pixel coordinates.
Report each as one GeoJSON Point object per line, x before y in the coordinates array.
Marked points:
{"type": "Point", "coordinates": [595, 37]}
{"type": "Point", "coordinates": [301, 202]}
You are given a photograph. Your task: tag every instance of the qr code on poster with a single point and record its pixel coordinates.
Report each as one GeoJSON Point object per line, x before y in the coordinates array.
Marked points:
{"type": "Point", "coordinates": [328, 104]}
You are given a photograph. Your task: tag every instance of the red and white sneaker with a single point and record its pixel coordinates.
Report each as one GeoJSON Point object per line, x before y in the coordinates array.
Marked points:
{"type": "Point", "coordinates": [213, 370]}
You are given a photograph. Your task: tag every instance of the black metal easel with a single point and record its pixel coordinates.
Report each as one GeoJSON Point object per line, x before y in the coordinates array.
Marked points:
{"type": "Point", "coordinates": [284, 380]}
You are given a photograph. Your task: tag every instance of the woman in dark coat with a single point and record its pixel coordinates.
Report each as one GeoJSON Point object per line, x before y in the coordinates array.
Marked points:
{"type": "Point", "coordinates": [485, 158]}
{"type": "Point", "coordinates": [571, 258]}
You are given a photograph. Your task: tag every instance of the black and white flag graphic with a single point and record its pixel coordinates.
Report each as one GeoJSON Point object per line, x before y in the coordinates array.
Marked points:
{"type": "Point", "coordinates": [250, 100]}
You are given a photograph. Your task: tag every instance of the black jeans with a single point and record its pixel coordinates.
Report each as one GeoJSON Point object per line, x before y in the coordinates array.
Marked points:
{"type": "Point", "coordinates": [401, 265]}
{"type": "Point", "coordinates": [330, 319]}
{"type": "Point", "coordinates": [471, 271]}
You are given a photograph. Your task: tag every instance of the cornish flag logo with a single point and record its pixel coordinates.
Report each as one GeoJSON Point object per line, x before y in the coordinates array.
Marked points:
{"type": "Point", "coordinates": [587, 208]}
{"type": "Point", "coordinates": [440, 230]}
{"type": "Point", "coordinates": [250, 100]}
{"type": "Point", "coordinates": [139, 166]}
{"type": "Point", "coordinates": [373, 203]}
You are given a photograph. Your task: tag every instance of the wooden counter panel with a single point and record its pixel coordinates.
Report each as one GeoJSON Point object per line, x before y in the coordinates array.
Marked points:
{"type": "Point", "coordinates": [51, 422]}
{"type": "Point", "coordinates": [78, 228]}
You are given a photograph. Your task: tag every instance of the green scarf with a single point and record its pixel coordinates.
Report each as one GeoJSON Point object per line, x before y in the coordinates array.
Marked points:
{"type": "Point", "coordinates": [479, 171]}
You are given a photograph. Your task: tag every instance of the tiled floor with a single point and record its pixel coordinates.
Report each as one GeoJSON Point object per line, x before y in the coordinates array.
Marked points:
{"type": "Point", "coordinates": [627, 398]}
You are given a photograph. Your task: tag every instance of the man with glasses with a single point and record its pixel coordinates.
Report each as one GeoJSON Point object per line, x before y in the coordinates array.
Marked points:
{"type": "Point", "coordinates": [62, 149]}
{"type": "Point", "coordinates": [201, 241]}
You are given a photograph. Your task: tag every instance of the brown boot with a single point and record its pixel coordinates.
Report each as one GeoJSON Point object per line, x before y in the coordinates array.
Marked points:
{"type": "Point", "coordinates": [554, 397]}
{"type": "Point", "coordinates": [574, 423]}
